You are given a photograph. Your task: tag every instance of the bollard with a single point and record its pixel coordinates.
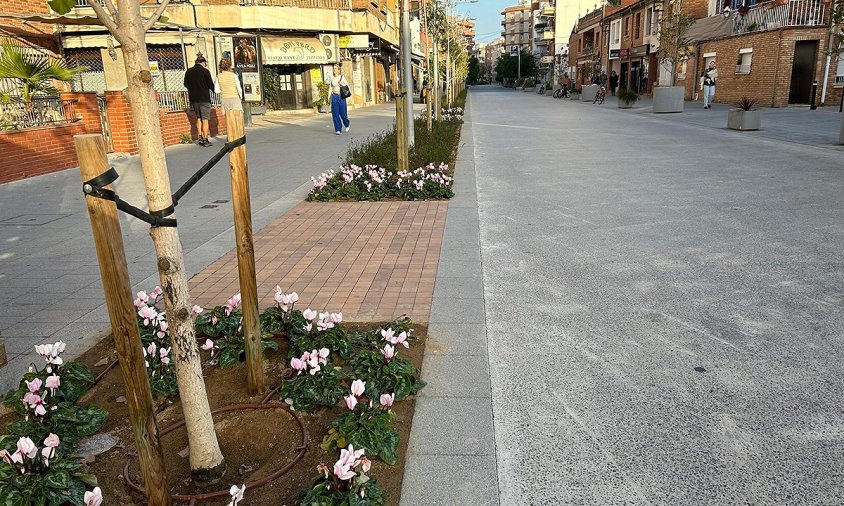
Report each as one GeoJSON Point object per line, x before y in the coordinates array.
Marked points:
{"type": "Point", "coordinates": [814, 95]}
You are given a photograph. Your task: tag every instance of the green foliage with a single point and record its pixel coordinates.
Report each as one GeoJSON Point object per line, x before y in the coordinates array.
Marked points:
{"type": "Point", "coordinates": [324, 92]}
{"type": "Point", "coordinates": [62, 6]}
{"type": "Point", "coordinates": [33, 72]}
{"type": "Point", "coordinates": [746, 104]}
{"type": "Point", "coordinates": [306, 391]}
{"type": "Point", "coordinates": [507, 67]}
{"type": "Point", "coordinates": [397, 376]}
{"type": "Point", "coordinates": [186, 139]}
{"type": "Point", "coordinates": [326, 493]}
{"type": "Point", "coordinates": [474, 70]}
{"type": "Point", "coordinates": [58, 484]}
{"type": "Point", "coordinates": [674, 43]}
{"type": "Point", "coordinates": [222, 325]}
{"type": "Point", "coordinates": [372, 339]}
{"type": "Point", "coordinates": [334, 339]}
{"type": "Point", "coordinates": [368, 428]}
{"type": "Point", "coordinates": [627, 96]}
{"type": "Point", "coordinates": [377, 183]}
{"type": "Point", "coordinates": [272, 86]}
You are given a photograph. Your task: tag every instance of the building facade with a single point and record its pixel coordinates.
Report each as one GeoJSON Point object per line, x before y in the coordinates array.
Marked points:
{"type": "Point", "coordinates": [630, 39]}
{"type": "Point", "coordinates": [586, 50]}
{"type": "Point", "coordinates": [517, 26]}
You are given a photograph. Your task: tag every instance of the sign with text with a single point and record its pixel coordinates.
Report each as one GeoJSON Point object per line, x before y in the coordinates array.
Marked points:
{"type": "Point", "coordinates": [354, 41]}
{"type": "Point", "coordinates": [245, 54]}
{"type": "Point", "coordinates": [299, 50]}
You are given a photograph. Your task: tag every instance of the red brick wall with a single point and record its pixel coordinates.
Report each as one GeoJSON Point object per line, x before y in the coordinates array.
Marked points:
{"type": "Point", "coordinates": [37, 33]}
{"type": "Point", "coordinates": [34, 151]}
{"type": "Point", "coordinates": [173, 124]}
{"type": "Point", "coordinates": [769, 80]}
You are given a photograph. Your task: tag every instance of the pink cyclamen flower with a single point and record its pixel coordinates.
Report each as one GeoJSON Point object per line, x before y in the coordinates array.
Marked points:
{"type": "Point", "coordinates": [151, 349]}
{"type": "Point", "coordinates": [358, 387]}
{"type": "Point", "coordinates": [389, 352]}
{"type": "Point", "coordinates": [16, 457]}
{"type": "Point", "coordinates": [148, 313]}
{"type": "Point", "coordinates": [351, 402]}
{"type": "Point", "coordinates": [388, 335]}
{"type": "Point", "coordinates": [365, 464]}
{"type": "Point", "coordinates": [343, 472]}
{"type": "Point", "coordinates": [214, 320]}
{"type": "Point", "coordinates": [34, 386]}
{"type": "Point", "coordinates": [5, 456]}
{"type": "Point", "coordinates": [309, 314]}
{"type": "Point", "coordinates": [40, 410]}
{"type": "Point", "coordinates": [209, 345]}
{"type": "Point", "coordinates": [322, 468]}
{"type": "Point", "coordinates": [27, 447]}
{"type": "Point", "coordinates": [156, 292]}
{"type": "Point", "coordinates": [402, 340]}
{"type": "Point", "coordinates": [336, 317]}
{"type": "Point", "coordinates": [387, 400]}
{"type": "Point", "coordinates": [297, 364]}
{"type": "Point", "coordinates": [94, 497]}
{"type": "Point", "coordinates": [53, 382]}
{"type": "Point", "coordinates": [323, 355]}
{"type": "Point", "coordinates": [308, 327]}
{"type": "Point", "coordinates": [141, 298]}
{"type": "Point", "coordinates": [163, 325]}
{"type": "Point", "coordinates": [164, 354]}
{"type": "Point", "coordinates": [197, 309]}
{"type": "Point", "coordinates": [47, 454]}
{"type": "Point", "coordinates": [237, 494]}
{"type": "Point", "coordinates": [315, 369]}
{"type": "Point", "coordinates": [279, 295]}
{"type": "Point", "coordinates": [52, 441]}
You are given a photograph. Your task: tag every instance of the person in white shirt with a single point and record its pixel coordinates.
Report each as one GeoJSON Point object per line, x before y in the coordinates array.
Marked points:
{"type": "Point", "coordinates": [339, 111]}
{"type": "Point", "coordinates": [707, 84]}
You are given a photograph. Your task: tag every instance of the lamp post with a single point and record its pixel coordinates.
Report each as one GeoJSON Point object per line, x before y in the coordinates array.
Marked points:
{"type": "Point", "coordinates": [407, 72]}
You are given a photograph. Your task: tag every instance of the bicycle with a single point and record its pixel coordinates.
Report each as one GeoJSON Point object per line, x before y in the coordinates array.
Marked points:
{"type": "Point", "coordinates": [600, 95]}
{"type": "Point", "coordinates": [561, 92]}
{"type": "Point", "coordinates": [542, 90]}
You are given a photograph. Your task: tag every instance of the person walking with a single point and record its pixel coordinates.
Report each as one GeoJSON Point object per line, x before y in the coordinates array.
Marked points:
{"type": "Point", "coordinates": [707, 84]}
{"type": "Point", "coordinates": [339, 111]}
{"type": "Point", "coordinates": [199, 83]}
{"type": "Point", "coordinates": [228, 86]}
{"type": "Point", "coordinates": [613, 82]}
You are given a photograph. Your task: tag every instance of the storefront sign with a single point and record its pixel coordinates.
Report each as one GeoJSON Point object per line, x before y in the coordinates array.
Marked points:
{"type": "Point", "coordinates": [354, 41]}
{"type": "Point", "coordinates": [154, 69]}
{"type": "Point", "coordinates": [639, 50]}
{"type": "Point", "coordinates": [624, 53]}
{"type": "Point", "coordinates": [299, 50]}
{"type": "Point", "coordinates": [614, 53]}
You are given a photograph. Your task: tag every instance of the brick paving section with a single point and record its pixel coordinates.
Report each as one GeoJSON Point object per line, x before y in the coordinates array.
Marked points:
{"type": "Point", "coordinates": [374, 261]}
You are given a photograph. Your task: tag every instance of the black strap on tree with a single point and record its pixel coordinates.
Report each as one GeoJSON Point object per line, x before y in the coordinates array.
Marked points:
{"type": "Point", "coordinates": [96, 188]}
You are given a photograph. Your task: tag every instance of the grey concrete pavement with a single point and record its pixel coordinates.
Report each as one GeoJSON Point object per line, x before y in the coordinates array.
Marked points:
{"type": "Point", "coordinates": [663, 305]}
{"type": "Point", "coordinates": [50, 281]}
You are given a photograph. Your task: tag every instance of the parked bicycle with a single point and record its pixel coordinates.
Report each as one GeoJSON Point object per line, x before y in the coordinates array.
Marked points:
{"type": "Point", "coordinates": [561, 92]}
{"type": "Point", "coordinates": [600, 95]}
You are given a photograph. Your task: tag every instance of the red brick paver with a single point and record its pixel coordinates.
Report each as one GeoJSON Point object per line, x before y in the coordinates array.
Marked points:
{"type": "Point", "coordinates": [374, 261]}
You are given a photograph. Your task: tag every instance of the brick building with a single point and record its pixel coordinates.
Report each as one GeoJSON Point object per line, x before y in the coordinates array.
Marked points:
{"type": "Point", "coordinates": [771, 52]}
{"type": "Point", "coordinates": [36, 34]}
{"type": "Point", "coordinates": [586, 47]}
{"type": "Point", "coordinates": [630, 36]}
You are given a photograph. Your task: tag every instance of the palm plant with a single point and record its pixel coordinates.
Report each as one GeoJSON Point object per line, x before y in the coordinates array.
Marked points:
{"type": "Point", "coordinates": [34, 73]}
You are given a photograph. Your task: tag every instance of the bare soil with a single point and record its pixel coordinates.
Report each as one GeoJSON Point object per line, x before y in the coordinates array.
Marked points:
{"type": "Point", "coordinates": [254, 443]}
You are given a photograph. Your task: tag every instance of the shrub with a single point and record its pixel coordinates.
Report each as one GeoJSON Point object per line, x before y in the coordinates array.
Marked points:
{"type": "Point", "coordinates": [223, 329]}
{"type": "Point", "coordinates": [186, 139]}
{"type": "Point", "coordinates": [383, 371]}
{"type": "Point", "coordinates": [347, 484]}
{"type": "Point", "coordinates": [315, 383]}
{"type": "Point", "coordinates": [376, 183]}
{"type": "Point", "coordinates": [365, 425]}
{"type": "Point", "coordinates": [627, 96]}
{"type": "Point", "coordinates": [746, 104]}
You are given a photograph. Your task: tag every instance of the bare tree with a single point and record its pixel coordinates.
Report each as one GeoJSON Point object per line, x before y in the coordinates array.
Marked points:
{"type": "Point", "coordinates": [674, 43]}
{"type": "Point", "coordinates": [123, 19]}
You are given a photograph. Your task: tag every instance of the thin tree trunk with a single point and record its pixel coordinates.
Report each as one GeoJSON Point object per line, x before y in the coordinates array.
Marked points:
{"type": "Point", "coordinates": [206, 460]}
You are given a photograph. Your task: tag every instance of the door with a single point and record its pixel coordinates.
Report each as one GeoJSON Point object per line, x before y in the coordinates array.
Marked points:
{"type": "Point", "coordinates": [635, 78]}
{"type": "Point", "coordinates": [622, 77]}
{"type": "Point", "coordinates": [301, 90]}
{"type": "Point", "coordinates": [287, 93]}
{"type": "Point", "coordinates": [803, 71]}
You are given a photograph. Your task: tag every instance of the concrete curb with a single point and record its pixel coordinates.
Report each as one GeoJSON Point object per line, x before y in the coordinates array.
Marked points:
{"type": "Point", "coordinates": [451, 455]}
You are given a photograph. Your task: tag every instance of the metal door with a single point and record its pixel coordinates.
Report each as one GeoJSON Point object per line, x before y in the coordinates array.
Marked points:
{"type": "Point", "coordinates": [803, 71]}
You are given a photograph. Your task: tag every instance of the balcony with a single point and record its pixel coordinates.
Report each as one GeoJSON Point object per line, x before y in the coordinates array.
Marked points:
{"type": "Point", "coordinates": [303, 4]}
{"type": "Point", "coordinates": [778, 13]}
{"type": "Point", "coordinates": [548, 11]}
{"type": "Point", "coordinates": [548, 35]}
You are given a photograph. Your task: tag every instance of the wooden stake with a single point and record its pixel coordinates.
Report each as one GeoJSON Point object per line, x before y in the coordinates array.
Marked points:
{"type": "Point", "coordinates": [245, 255]}
{"type": "Point", "coordinates": [401, 137]}
{"type": "Point", "coordinates": [90, 149]}
{"type": "Point", "coordinates": [430, 108]}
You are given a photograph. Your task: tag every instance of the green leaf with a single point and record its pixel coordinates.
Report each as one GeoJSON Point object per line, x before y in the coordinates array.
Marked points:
{"type": "Point", "coordinates": [90, 419]}
{"type": "Point", "coordinates": [62, 6]}
{"type": "Point", "coordinates": [229, 357]}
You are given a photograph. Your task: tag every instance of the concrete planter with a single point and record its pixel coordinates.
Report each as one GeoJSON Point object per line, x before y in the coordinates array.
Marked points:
{"type": "Point", "coordinates": [624, 105]}
{"type": "Point", "coordinates": [519, 88]}
{"type": "Point", "coordinates": [668, 99]}
{"type": "Point", "coordinates": [589, 93]}
{"type": "Point", "coordinates": [738, 119]}
{"type": "Point", "coordinates": [530, 88]}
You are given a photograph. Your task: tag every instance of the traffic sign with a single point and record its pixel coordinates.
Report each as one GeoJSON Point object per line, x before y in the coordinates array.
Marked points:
{"type": "Point", "coordinates": [514, 50]}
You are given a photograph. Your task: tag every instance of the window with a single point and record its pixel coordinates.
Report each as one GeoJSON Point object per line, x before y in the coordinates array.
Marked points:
{"type": "Point", "coordinates": [649, 21]}
{"type": "Point", "coordinates": [615, 34]}
{"type": "Point", "coordinates": [839, 74]}
{"type": "Point", "coordinates": [637, 26]}
{"type": "Point", "coordinates": [743, 62]}
{"type": "Point", "coordinates": [681, 70]}
{"type": "Point", "coordinates": [707, 57]}
{"type": "Point", "coordinates": [626, 33]}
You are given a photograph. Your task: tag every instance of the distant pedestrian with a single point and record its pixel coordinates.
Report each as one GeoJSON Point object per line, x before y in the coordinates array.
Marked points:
{"type": "Point", "coordinates": [228, 86]}
{"type": "Point", "coordinates": [339, 110]}
{"type": "Point", "coordinates": [199, 83]}
{"type": "Point", "coordinates": [596, 79]}
{"type": "Point", "coordinates": [613, 82]}
{"type": "Point", "coordinates": [707, 84]}
{"type": "Point", "coordinates": [423, 93]}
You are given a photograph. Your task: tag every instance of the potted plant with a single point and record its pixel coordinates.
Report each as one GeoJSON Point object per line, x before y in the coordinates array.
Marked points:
{"type": "Point", "coordinates": [626, 98]}
{"type": "Point", "coordinates": [745, 116]}
{"type": "Point", "coordinates": [674, 47]}
{"type": "Point", "coordinates": [323, 103]}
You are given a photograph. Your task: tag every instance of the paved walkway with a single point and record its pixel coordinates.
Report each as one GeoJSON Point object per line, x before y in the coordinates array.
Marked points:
{"type": "Point", "coordinates": [50, 281]}
{"type": "Point", "coordinates": [662, 307]}
{"type": "Point", "coordinates": [374, 261]}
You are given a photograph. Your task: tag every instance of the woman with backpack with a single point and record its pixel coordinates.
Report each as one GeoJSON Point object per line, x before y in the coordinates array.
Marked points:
{"type": "Point", "coordinates": [339, 93]}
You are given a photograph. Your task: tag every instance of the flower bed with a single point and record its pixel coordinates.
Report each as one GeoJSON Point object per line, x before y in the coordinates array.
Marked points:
{"type": "Point", "coordinates": [376, 183]}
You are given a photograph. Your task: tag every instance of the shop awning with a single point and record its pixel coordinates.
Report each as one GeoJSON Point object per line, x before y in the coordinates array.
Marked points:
{"type": "Point", "coordinates": [66, 19]}
{"type": "Point", "coordinates": [279, 50]}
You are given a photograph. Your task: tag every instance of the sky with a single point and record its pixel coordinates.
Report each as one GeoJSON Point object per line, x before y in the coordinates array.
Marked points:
{"type": "Point", "coordinates": [488, 17]}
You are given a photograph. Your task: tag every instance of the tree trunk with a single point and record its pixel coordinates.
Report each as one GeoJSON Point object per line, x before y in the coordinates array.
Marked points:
{"type": "Point", "coordinates": [206, 460]}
